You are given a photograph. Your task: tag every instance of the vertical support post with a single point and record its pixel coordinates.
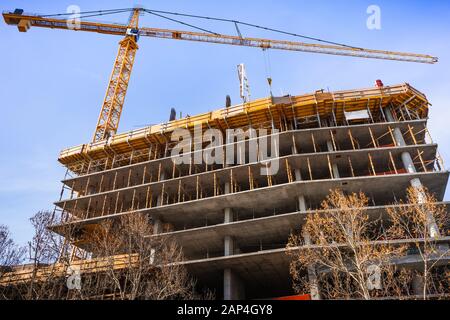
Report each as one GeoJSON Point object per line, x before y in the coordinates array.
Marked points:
{"type": "Point", "coordinates": [144, 174]}
{"type": "Point", "coordinates": [371, 164]}
{"type": "Point", "coordinates": [233, 288]}
{"type": "Point", "coordinates": [374, 141]}
{"type": "Point", "coordinates": [115, 180]}
{"type": "Point", "coordinates": [101, 183]}
{"type": "Point", "coordinates": [334, 166]}
{"type": "Point", "coordinates": [351, 166]}
{"type": "Point", "coordinates": [129, 178]}
{"type": "Point", "coordinates": [309, 169]}
{"type": "Point", "coordinates": [147, 198]}
{"type": "Point", "coordinates": [351, 139]}
{"type": "Point", "coordinates": [313, 142]}
{"type": "Point", "coordinates": [104, 204]}
{"type": "Point", "coordinates": [393, 162]}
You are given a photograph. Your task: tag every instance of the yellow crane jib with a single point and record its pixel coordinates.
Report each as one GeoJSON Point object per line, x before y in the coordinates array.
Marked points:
{"type": "Point", "coordinates": [111, 110]}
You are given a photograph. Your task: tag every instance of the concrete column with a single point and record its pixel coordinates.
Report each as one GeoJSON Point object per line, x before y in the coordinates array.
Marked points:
{"type": "Point", "coordinates": [400, 141]}
{"type": "Point", "coordinates": [228, 215]}
{"type": "Point", "coordinates": [157, 226]}
{"type": "Point", "coordinates": [312, 276]}
{"type": "Point", "coordinates": [301, 198]}
{"type": "Point", "coordinates": [408, 162]}
{"type": "Point", "coordinates": [228, 218]}
{"type": "Point", "coordinates": [313, 289]}
{"type": "Point", "coordinates": [233, 288]}
{"type": "Point", "coordinates": [410, 168]}
{"type": "Point", "coordinates": [228, 246]}
{"type": "Point", "coordinates": [334, 166]}
{"type": "Point", "coordinates": [431, 222]}
{"type": "Point", "coordinates": [297, 174]}
{"type": "Point", "coordinates": [228, 240]}
{"type": "Point", "coordinates": [301, 203]}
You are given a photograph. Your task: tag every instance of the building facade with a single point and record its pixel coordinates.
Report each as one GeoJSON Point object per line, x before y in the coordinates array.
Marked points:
{"type": "Point", "coordinates": [233, 216]}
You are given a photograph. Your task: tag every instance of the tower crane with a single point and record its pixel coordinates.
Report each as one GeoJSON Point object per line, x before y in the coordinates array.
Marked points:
{"type": "Point", "coordinates": [108, 120]}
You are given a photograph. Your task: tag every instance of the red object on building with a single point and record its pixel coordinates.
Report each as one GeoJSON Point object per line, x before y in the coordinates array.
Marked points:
{"type": "Point", "coordinates": [379, 84]}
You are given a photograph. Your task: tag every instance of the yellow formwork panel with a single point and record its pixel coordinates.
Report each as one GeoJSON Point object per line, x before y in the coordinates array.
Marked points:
{"type": "Point", "coordinates": [57, 270]}
{"type": "Point", "coordinates": [254, 113]}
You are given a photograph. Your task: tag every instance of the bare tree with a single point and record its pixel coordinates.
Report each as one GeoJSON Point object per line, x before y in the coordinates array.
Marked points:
{"type": "Point", "coordinates": [26, 281]}
{"type": "Point", "coordinates": [339, 243]}
{"type": "Point", "coordinates": [150, 266]}
{"type": "Point", "coordinates": [127, 261]}
{"type": "Point", "coordinates": [44, 250]}
{"type": "Point", "coordinates": [423, 221]}
{"type": "Point", "coordinates": [10, 255]}
{"type": "Point", "coordinates": [44, 247]}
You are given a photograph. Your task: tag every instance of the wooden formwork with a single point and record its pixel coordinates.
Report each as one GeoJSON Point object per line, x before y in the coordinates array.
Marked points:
{"type": "Point", "coordinates": [268, 112]}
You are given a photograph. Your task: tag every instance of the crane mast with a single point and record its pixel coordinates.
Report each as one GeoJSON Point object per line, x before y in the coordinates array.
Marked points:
{"type": "Point", "coordinates": [108, 120]}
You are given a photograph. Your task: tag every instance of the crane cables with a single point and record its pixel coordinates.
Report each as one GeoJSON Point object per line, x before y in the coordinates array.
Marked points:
{"type": "Point", "coordinates": [237, 22]}
{"type": "Point", "coordinates": [181, 22]}
{"type": "Point", "coordinates": [163, 15]}
{"type": "Point", "coordinates": [87, 14]}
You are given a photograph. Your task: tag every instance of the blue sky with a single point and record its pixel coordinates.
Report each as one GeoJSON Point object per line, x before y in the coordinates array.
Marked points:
{"type": "Point", "coordinates": [53, 82]}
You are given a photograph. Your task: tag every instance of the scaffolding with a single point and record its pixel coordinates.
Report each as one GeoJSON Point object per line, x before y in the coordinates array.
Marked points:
{"type": "Point", "coordinates": [326, 136]}
{"type": "Point", "coordinates": [324, 141]}
{"type": "Point", "coordinates": [291, 112]}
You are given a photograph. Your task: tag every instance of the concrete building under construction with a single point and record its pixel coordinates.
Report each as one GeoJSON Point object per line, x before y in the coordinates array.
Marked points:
{"type": "Point", "coordinates": [232, 221]}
